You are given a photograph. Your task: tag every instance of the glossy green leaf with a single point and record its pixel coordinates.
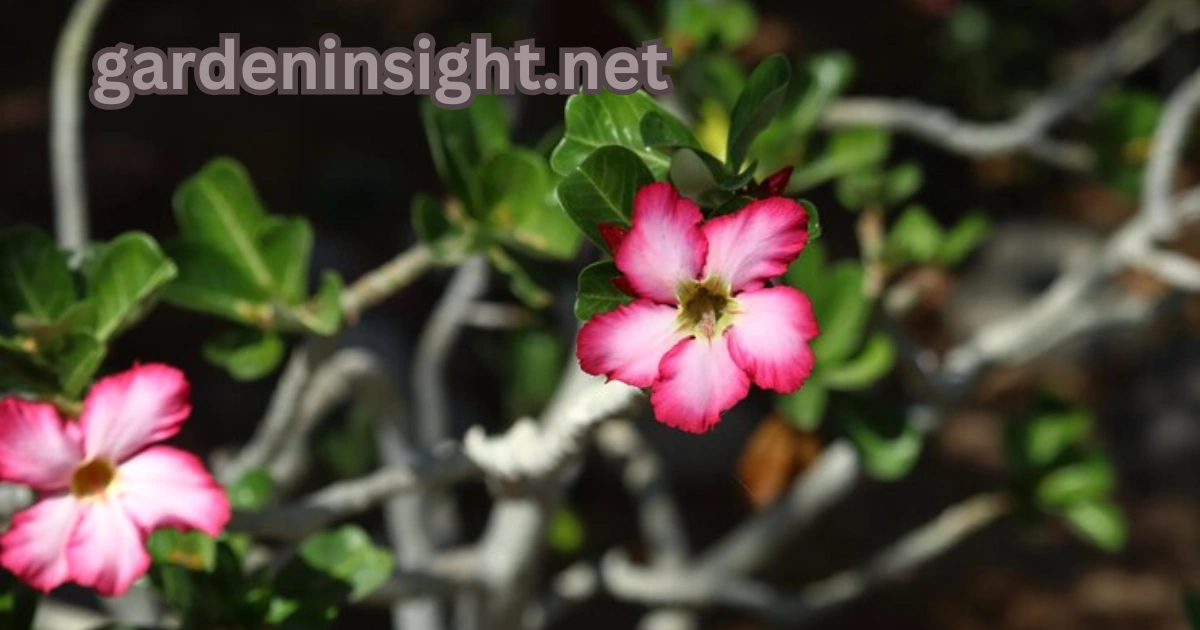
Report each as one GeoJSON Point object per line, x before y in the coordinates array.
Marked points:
{"type": "Point", "coordinates": [522, 206]}
{"type": "Point", "coordinates": [34, 277]}
{"type": "Point", "coordinates": [599, 120]}
{"type": "Point", "coordinates": [210, 283]}
{"type": "Point", "coordinates": [1097, 521]}
{"type": "Point", "coordinates": [602, 188]}
{"type": "Point", "coordinates": [286, 245]}
{"type": "Point", "coordinates": [661, 130]}
{"type": "Point", "coordinates": [872, 363]}
{"type": "Point", "coordinates": [814, 220]}
{"type": "Point", "coordinates": [964, 238]}
{"type": "Point", "coordinates": [219, 209]}
{"type": "Point", "coordinates": [461, 140]}
{"type": "Point", "coordinates": [761, 99]}
{"type": "Point", "coordinates": [698, 176]}
{"type": "Point", "coordinates": [348, 555]}
{"type": "Point", "coordinates": [805, 407]}
{"type": "Point", "coordinates": [842, 314]}
{"type": "Point", "coordinates": [1084, 480]}
{"type": "Point", "coordinates": [597, 293]}
{"type": "Point", "coordinates": [251, 491]}
{"type": "Point", "coordinates": [246, 354]}
{"type": "Point", "coordinates": [123, 279]}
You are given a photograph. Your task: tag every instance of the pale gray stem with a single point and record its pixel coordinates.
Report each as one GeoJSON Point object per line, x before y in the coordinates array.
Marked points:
{"type": "Point", "coordinates": [67, 102]}
{"type": "Point", "coordinates": [1167, 148]}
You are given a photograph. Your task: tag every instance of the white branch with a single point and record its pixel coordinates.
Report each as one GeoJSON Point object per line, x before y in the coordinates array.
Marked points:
{"type": "Point", "coordinates": [1167, 148]}
{"type": "Point", "coordinates": [67, 101]}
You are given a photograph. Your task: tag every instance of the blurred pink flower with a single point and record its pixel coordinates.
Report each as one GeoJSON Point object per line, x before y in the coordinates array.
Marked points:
{"type": "Point", "coordinates": [704, 324]}
{"type": "Point", "coordinates": [103, 486]}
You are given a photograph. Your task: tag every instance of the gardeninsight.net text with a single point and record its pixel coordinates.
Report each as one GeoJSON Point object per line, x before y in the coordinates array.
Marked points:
{"type": "Point", "coordinates": [451, 77]}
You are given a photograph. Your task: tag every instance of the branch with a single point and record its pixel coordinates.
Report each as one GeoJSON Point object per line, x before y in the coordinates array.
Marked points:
{"type": "Point", "coordinates": [1131, 47]}
{"type": "Point", "coordinates": [1167, 145]}
{"type": "Point", "coordinates": [378, 285]}
{"type": "Point", "coordinates": [66, 124]}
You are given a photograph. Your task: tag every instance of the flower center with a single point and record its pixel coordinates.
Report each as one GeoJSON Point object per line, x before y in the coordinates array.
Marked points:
{"type": "Point", "coordinates": [706, 308]}
{"type": "Point", "coordinates": [92, 478]}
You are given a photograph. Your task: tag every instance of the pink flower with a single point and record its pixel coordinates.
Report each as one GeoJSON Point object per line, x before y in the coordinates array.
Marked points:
{"type": "Point", "coordinates": [704, 324]}
{"type": "Point", "coordinates": [103, 486]}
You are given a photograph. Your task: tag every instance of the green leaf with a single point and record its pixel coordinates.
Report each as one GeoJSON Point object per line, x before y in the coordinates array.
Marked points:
{"type": "Point", "coordinates": [1046, 437]}
{"type": "Point", "coordinates": [448, 241]}
{"type": "Point", "coordinates": [890, 446]}
{"type": "Point", "coordinates": [219, 208]}
{"type": "Point", "coordinates": [602, 188]}
{"type": "Point", "coordinates": [1084, 480]}
{"type": "Point", "coordinates": [826, 75]}
{"type": "Point", "coordinates": [963, 239]}
{"type": "Point", "coordinates": [872, 363]}
{"type": "Point", "coordinates": [807, 272]}
{"type": "Point", "coordinates": [323, 315]}
{"type": "Point", "coordinates": [348, 555]}
{"type": "Point", "coordinates": [849, 150]}
{"type": "Point", "coordinates": [698, 176]}
{"type": "Point", "coordinates": [915, 238]}
{"type": "Point", "coordinates": [661, 130]}
{"type": "Point", "coordinates": [461, 140]}
{"type": "Point", "coordinates": [210, 283]}
{"type": "Point", "coordinates": [80, 317]}
{"type": "Point", "coordinates": [858, 189]}
{"type": "Point", "coordinates": [123, 279]}
{"type": "Point", "coordinates": [566, 531]}
{"type": "Point", "coordinates": [246, 354]}
{"type": "Point", "coordinates": [77, 363]}
{"type": "Point", "coordinates": [286, 244]}
{"type": "Point", "coordinates": [599, 120]}
{"type": "Point", "coordinates": [814, 220]}
{"type": "Point", "coordinates": [805, 407]}
{"type": "Point", "coordinates": [843, 313]}
{"type": "Point", "coordinates": [761, 99]}
{"type": "Point", "coordinates": [34, 277]}
{"type": "Point", "coordinates": [520, 282]}
{"type": "Point", "coordinates": [522, 206]}
{"type": "Point", "coordinates": [597, 293]}
{"type": "Point", "coordinates": [694, 23]}
{"type": "Point", "coordinates": [1099, 522]}
{"type": "Point", "coordinates": [18, 603]}
{"type": "Point", "coordinates": [902, 182]}
{"type": "Point", "coordinates": [251, 491]}
{"type": "Point", "coordinates": [195, 551]}
{"type": "Point", "coordinates": [22, 371]}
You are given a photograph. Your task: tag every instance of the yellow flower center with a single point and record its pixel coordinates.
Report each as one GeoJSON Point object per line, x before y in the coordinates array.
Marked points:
{"type": "Point", "coordinates": [706, 308]}
{"type": "Point", "coordinates": [92, 478]}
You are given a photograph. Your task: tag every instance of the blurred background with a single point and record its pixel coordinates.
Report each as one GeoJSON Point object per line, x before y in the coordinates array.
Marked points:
{"type": "Point", "coordinates": [351, 165]}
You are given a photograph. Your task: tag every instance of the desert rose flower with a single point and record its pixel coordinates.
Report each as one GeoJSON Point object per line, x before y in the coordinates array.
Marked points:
{"type": "Point", "coordinates": [103, 485]}
{"type": "Point", "coordinates": [704, 324]}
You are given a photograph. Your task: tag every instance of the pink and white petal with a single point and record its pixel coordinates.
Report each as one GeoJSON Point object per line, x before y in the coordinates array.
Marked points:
{"type": "Point", "coordinates": [665, 245]}
{"type": "Point", "coordinates": [107, 552]}
{"type": "Point", "coordinates": [129, 411]}
{"type": "Point", "coordinates": [756, 243]}
{"type": "Point", "coordinates": [167, 487]}
{"type": "Point", "coordinates": [37, 448]}
{"type": "Point", "coordinates": [769, 339]}
{"type": "Point", "coordinates": [35, 546]}
{"type": "Point", "coordinates": [628, 343]}
{"type": "Point", "coordinates": [698, 380]}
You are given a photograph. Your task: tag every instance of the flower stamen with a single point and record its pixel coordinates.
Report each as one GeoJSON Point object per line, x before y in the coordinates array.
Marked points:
{"type": "Point", "coordinates": [92, 478]}
{"type": "Point", "coordinates": [706, 307]}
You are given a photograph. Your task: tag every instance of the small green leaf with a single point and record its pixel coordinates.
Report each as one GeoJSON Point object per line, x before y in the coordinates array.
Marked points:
{"type": "Point", "coordinates": [849, 150]}
{"type": "Point", "coordinates": [245, 353]}
{"type": "Point", "coordinates": [219, 209]}
{"type": "Point", "coordinates": [566, 531]}
{"type": "Point", "coordinates": [210, 283]}
{"type": "Point", "coordinates": [872, 363]}
{"type": "Point", "coordinates": [323, 315]}
{"type": "Point", "coordinates": [461, 140]}
{"type": "Point", "coordinates": [915, 238]}
{"type": "Point", "coordinates": [448, 241]}
{"type": "Point", "coordinates": [661, 130]}
{"type": "Point", "coordinates": [251, 491]}
{"type": "Point", "coordinates": [1047, 436]}
{"type": "Point", "coordinates": [34, 277]}
{"type": "Point", "coordinates": [522, 206]}
{"type": "Point", "coordinates": [889, 445]}
{"type": "Point", "coordinates": [602, 188]}
{"type": "Point", "coordinates": [597, 293]}
{"type": "Point", "coordinates": [698, 176]}
{"type": "Point", "coordinates": [761, 99]}
{"type": "Point", "coordinates": [520, 282]}
{"type": "Point", "coordinates": [814, 220]}
{"type": "Point", "coordinates": [826, 75]}
{"type": "Point", "coordinates": [77, 362]}
{"type": "Point", "coordinates": [1084, 480]}
{"type": "Point", "coordinates": [843, 313]}
{"type": "Point", "coordinates": [123, 279]}
{"type": "Point", "coordinates": [348, 555]}
{"type": "Point", "coordinates": [805, 407]}
{"type": "Point", "coordinates": [964, 238]}
{"type": "Point", "coordinates": [195, 551]}
{"type": "Point", "coordinates": [286, 244]}
{"type": "Point", "coordinates": [858, 189]}
{"type": "Point", "coordinates": [902, 182]}
{"type": "Point", "coordinates": [599, 120]}
{"type": "Point", "coordinates": [1098, 521]}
